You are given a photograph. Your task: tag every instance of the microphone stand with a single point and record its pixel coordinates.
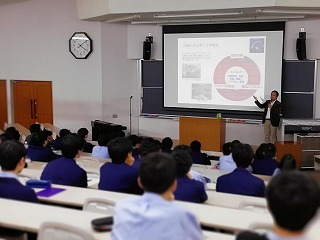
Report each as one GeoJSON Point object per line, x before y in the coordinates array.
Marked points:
{"type": "Point", "coordinates": [130, 114]}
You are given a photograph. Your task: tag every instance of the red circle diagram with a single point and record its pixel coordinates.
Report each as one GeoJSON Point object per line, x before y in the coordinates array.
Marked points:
{"type": "Point", "coordinates": [229, 92]}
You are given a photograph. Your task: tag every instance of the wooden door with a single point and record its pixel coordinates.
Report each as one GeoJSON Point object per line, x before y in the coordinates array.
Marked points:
{"type": "Point", "coordinates": [32, 102]}
{"type": "Point", "coordinates": [3, 103]}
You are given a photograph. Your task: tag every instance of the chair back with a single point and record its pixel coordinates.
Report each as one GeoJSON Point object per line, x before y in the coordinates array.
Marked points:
{"type": "Point", "coordinates": [99, 205]}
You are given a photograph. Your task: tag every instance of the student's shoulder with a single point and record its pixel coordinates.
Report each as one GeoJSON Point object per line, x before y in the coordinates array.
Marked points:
{"type": "Point", "coordinates": [247, 235]}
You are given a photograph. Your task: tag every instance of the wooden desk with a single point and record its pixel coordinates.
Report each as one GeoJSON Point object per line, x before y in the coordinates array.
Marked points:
{"type": "Point", "coordinates": [28, 217]}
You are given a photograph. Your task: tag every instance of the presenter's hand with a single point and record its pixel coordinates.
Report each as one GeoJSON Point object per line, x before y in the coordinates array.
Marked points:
{"type": "Point", "coordinates": [255, 98]}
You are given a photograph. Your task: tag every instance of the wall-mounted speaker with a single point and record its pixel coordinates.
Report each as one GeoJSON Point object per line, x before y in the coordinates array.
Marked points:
{"type": "Point", "coordinates": [146, 50]}
{"type": "Point", "coordinates": [301, 48]}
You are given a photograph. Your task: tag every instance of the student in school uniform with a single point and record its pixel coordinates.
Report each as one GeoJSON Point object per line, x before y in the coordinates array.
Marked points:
{"type": "Point", "coordinates": [38, 150]}
{"type": "Point", "coordinates": [155, 215]}
{"type": "Point", "coordinates": [293, 200]}
{"type": "Point", "coordinates": [35, 127]}
{"type": "Point", "coordinates": [166, 145]}
{"type": "Point", "coordinates": [188, 189]}
{"type": "Point", "coordinates": [199, 157]}
{"type": "Point", "coordinates": [56, 144]}
{"type": "Point", "coordinates": [12, 162]}
{"type": "Point", "coordinates": [65, 170]}
{"type": "Point", "coordinates": [86, 146]}
{"type": "Point", "coordinates": [101, 151]}
{"type": "Point", "coordinates": [148, 145]}
{"type": "Point", "coordinates": [241, 181]}
{"type": "Point", "coordinates": [267, 165]}
{"type": "Point", "coordinates": [119, 175]}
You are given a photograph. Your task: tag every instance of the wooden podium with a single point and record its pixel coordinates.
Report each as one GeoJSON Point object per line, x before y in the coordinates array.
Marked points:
{"type": "Point", "coordinates": [211, 132]}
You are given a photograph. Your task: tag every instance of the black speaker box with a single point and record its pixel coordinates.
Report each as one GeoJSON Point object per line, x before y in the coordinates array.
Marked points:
{"type": "Point", "coordinates": [301, 49]}
{"type": "Point", "coordinates": [146, 50]}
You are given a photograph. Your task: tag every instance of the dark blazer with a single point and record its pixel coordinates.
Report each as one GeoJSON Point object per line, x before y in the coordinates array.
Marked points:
{"type": "Point", "coordinates": [200, 158]}
{"type": "Point", "coordinates": [190, 190]}
{"type": "Point", "coordinates": [242, 182]}
{"type": "Point", "coordinates": [41, 154]}
{"type": "Point", "coordinates": [119, 178]}
{"type": "Point", "coordinates": [275, 111]}
{"type": "Point", "coordinates": [246, 235]}
{"type": "Point", "coordinates": [65, 171]}
{"type": "Point", "coordinates": [264, 166]}
{"type": "Point", "coordinates": [87, 147]}
{"type": "Point", "coordinates": [11, 188]}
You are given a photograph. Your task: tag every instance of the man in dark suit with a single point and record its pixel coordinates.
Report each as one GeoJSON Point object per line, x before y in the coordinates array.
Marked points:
{"type": "Point", "coordinates": [241, 181]}
{"type": "Point", "coordinates": [65, 170]}
{"type": "Point", "coordinates": [12, 161]}
{"type": "Point", "coordinates": [119, 175]}
{"type": "Point", "coordinates": [293, 200]}
{"type": "Point", "coordinates": [271, 116]}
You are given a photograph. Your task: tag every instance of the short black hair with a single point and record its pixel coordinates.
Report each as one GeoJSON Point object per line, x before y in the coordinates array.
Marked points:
{"type": "Point", "coordinates": [226, 148]}
{"type": "Point", "coordinates": [148, 145]}
{"type": "Point", "coordinates": [11, 151]}
{"type": "Point", "coordinates": [47, 132]}
{"type": "Point", "coordinates": [183, 147]}
{"type": "Point", "coordinates": [166, 143]}
{"type": "Point", "coordinates": [118, 149]}
{"type": "Point", "coordinates": [287, 162]}
{"type": "Point", "coordinates": [260, 152]}
{"type": "Point", "coordinates": [103, 139]}
{"type": "Point", "coordinates": [157, 172]}
{"type": "Point", "coordinates": [276, 92]}
{"type": "Point", "coordinates": [134, 139]}
{"type": "Point", "coordinates": [82, 132]}
{"type": "Point", "coordinates": [242, 155]}
{"type": "Point", "coordinates": [195, 146]}
{"type": "Point", "coordinates": [35, 127]}
{"type": "Point", "coordinates": [38, 138]}
{"type": "Point", "coordinates": [270, 150]}
{"type": "Point", "coordinates": [12, 133]}
{"type": "Point", "coordinates": [293, 199]}
{"type": "Point", "coordinates": [183, 160]}
{"type": "Point", "coordinates": [70, 145]}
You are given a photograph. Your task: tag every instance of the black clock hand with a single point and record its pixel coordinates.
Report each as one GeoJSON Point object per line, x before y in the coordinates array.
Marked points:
{"type": "Point", "coordinates": [82, 47]}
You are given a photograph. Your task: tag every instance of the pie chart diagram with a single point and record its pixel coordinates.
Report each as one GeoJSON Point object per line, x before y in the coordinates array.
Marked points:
{"type": "Point", "coordinates": [237, 79]}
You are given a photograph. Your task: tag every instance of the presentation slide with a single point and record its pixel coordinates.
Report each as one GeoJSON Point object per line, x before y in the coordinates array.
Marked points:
{"type": "Point", "coordinates": [221, 70]}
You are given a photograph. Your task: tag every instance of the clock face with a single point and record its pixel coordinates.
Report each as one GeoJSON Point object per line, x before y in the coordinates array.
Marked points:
{"type": "Point", "coordinates": [80, 45]}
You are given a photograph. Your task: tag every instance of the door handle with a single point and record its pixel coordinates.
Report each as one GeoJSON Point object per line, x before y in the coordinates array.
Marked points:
{"type": "Point", "coordinates": [31, 107]}
{"type": "Point", "coordinates": [35, 109]}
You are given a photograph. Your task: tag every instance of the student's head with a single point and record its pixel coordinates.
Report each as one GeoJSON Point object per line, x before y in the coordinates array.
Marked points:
{"type": "Point", "coordinates": [260, 152]}
{"type": "Point", "coordinates": [183, 160]}
{"type": "Point", "coordinates": [242, 155]}
{"type": "Point", "coordinates": [270, 150]}
{"type": "Point", "coordinates": [103, 139]}
{"type": "Point", "coordinates": [83, 133]}
{"type": "Point", "coordinates": [287, 162]}
{"type": "Point", "coordinates": [71, 144]}
{"type": "Point", "coordinates": [48, 134]}
{"type": "Point", "coordinates": [157, 172]}
{"type": "Point", "coordinates": [12, 155]}
{"type": "Point", "coordinates": [3, 138]}
{"type": "Point", "coordinates": [195, 146]}
{"type": "Point", "coordinates": [63, 132]}
{"type": "Point", "coordinates": [234, 143]}
{"type": "Point", "coordinates": [183, 147]}
{"type": "Point", "coordinates": [38, 139]}
{"type": "Point", "coordinates": [120, 151]}
{"type": "Point", "coordinates": [293, 199]}
{"type": "Point", "coordinates": [166, 143]}
{"type": "Point", "coordinates": [148, 145]}
{"type": "Point", "coordinates": [12, 134]}
{"type": "Point", "coordinates": [135, 140]}
{"type": "Point", "coordinates": [35, 127]}
{"type": "Point", "coordinates": [226, 148]}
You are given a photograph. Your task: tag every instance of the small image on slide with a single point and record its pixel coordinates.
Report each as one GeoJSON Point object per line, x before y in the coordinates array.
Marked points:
{"type": "Point", "coordinates": [256, 45]}
{"type": "Point", "coordinates": [191, 70]}
{"type": "Point", "coordinates": [201, 92]}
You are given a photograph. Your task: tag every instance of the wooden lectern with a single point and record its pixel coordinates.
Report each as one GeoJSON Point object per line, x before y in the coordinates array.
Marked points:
{"type": "Point", "coordinates": [210, 132]}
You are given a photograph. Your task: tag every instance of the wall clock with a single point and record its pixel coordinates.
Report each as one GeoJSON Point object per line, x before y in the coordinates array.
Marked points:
{"type": "Point", "coordinates": [80, 45]}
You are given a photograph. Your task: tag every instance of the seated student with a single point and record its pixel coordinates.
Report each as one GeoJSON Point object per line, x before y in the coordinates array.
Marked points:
{"type": "Point", "coordinates": [260, 152]}
{"type": "Point", "coordinates": [166, 145]}
{"type": "Point", "coordinates": [12, 161]}
{"type": "Point", "coordinates": [267, 165]}
{"type": "Point", "coordinates": [101, 151]}
{"type": "Point", "coordinates": [287, 163]}
{"type": "Point", "coordinates": [135, 140]}
{"type": "Point", "coordinates": [65, 170]}
{"type": "Point", "coordinates": [86, 147]}
{"type": "Point", "coordinates": [188, 189]}
{"type": "Point", "coordinates": [35, 127]}
{"type": "Point", "coordinates": [192, 173]}
{"type": "Point", "coordinates": [226, 162]}
{"type": "Point", "coordinates": [56, 144]}
{"type": "Point", "coordinates": [293, 199]}
{"type": "Point", "coordinates": [155, 215]}
{"type": "Point", "coordinates": [50, 138]}
{"type": "Point", "coordinates": [119, 175]}
{"type": "Point", "coordinates": [197, 156]}
{"type": "Point", "coordinates": [241, 181]}
{"type": "Point", "coordinates": [38, 150]}
{"type": "Point", "coordinates": [12, 134]}
{"type": "Point", "coordinates": [148, 145]}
